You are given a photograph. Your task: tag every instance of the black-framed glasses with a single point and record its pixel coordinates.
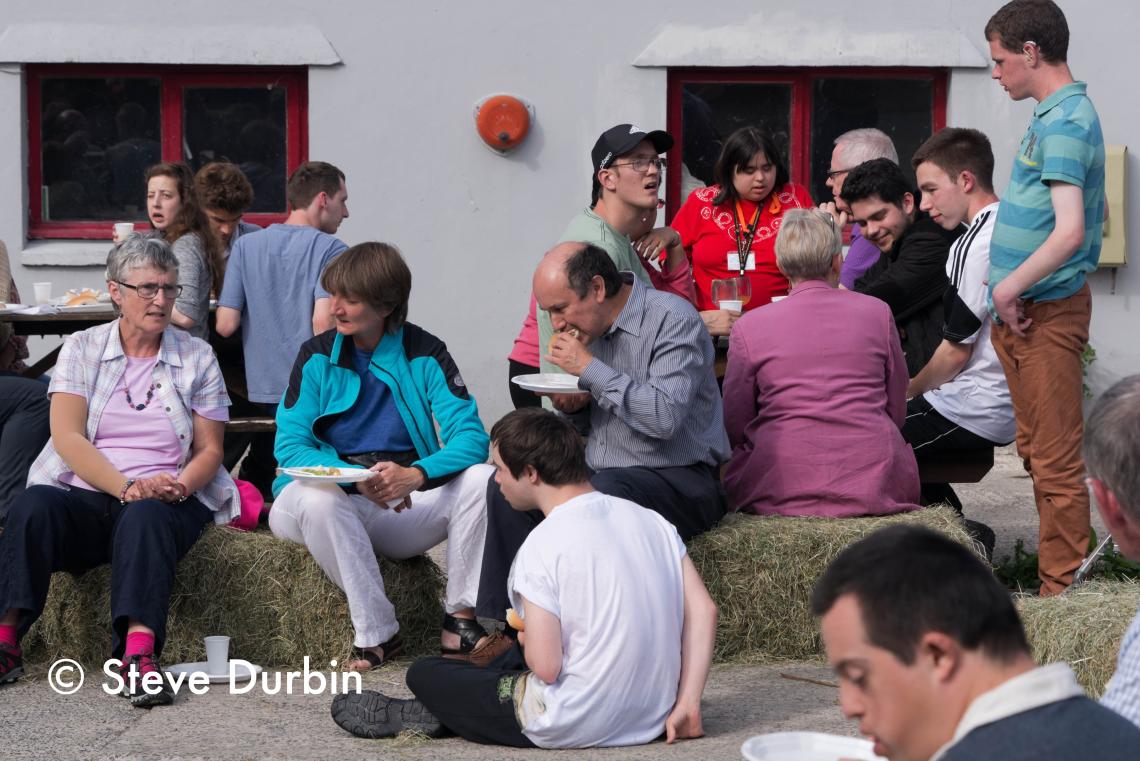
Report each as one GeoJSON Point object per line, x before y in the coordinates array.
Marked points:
{"type": "Point", "coordinates": [149, 291]}
{"type": "Point", "coordinates": [831, 175]}
{"type": "Point", "coordinates": [641, 166]}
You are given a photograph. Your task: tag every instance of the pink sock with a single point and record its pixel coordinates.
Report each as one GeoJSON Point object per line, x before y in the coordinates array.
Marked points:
{"type": "Point", "coordinates": [140, 643]}
{"type": "Point", "coordinates": [8, 636]}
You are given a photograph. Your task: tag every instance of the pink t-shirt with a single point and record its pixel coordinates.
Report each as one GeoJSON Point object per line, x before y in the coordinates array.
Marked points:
{"type": "Point", "coordinates": [139, 443]}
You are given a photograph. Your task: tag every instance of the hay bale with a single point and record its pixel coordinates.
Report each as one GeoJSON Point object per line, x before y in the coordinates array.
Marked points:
{"type": "Point", "coordinates": [761, 570]}
{"type": "Point", "coordinates": [267, 594]}
{"type": "Point", "coordinates": [1083, 627]}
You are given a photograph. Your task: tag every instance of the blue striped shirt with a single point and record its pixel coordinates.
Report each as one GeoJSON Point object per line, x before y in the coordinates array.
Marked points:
{"type": "Point", "coordinates": [655, 402]}
{"type": "Point", "coordinates": [1123, 693]}
{"type": "Point", "coordinates": [1063, 144]}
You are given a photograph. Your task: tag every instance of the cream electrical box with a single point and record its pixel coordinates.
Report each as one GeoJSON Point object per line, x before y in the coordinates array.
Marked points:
{"type": "Point", "coordinates": [1114, 248]}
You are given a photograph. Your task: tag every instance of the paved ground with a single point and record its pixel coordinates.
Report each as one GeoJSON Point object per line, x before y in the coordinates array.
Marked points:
{"type": "Point", "coordinates": [740, 700]}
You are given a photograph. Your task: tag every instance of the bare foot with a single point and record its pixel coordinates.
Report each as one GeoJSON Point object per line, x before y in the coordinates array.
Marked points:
{"type": "Point", "coordinates": [360, 664]}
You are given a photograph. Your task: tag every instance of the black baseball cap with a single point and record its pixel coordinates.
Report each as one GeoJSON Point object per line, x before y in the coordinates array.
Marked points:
{"type": "Point", "coordinates": [620, 140]}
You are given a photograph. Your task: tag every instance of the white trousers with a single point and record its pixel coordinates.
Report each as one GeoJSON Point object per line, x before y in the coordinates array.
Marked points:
{"type": "Point", "coordinates": [345, 532]}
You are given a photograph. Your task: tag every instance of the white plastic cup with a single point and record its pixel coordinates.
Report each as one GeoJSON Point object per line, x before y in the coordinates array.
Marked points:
{"type": "Point", "coordinates": [217, 655]}
{"type": "Point", "coordinates": [123, 229]}
{"type": "Point", "coordinates": [732, 305]}
{"type": "Point", "coordinates": [42, 292]}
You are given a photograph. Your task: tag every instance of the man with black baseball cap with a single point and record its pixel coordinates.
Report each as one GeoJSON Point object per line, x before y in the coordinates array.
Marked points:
{"type": "Point", "coordinates": [627, 174]}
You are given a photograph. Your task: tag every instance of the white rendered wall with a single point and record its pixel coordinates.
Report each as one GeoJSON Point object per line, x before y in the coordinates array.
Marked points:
{"type": "Point", "coordinates": [396, 116]}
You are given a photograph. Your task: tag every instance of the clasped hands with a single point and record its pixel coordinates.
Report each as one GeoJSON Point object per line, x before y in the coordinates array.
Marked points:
{"type": "Point", "coordinates": [391, 482]}
{"type": "Point", "coordinates": [163, 486]}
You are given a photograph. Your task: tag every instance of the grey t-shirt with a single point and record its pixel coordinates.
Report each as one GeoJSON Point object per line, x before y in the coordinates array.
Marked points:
{"type": "Point", "coordinates": [194, 277]}
{"type": "Point", "coordinates": [273, 276]}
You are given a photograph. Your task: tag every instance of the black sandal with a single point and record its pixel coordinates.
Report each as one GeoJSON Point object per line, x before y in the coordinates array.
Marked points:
{"type": "Point", "coordinates": [391, 648]}
{"type": "Point", "coordinates": [470, 632]}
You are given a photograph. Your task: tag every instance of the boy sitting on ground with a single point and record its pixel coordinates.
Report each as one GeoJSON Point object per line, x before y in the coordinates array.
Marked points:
{"type": "Point", "coordinates": [606, 591]}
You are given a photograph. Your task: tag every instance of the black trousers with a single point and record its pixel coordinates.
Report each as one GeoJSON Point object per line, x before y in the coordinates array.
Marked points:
{"type": "Point", "coordinates": [52, 529]}
{"type": "Point", "coordinates": [475, 702]}
{"type": "Point", "coordinates": [690, 497]}
{"type": "Point", "coordinates": [260, 466]}
{"type": "Point", "coordinates": [520, 397]}
{"type": "Point", "coordinates": [24, 430]}
{"type": "Point", "coordinates": [930, 433]}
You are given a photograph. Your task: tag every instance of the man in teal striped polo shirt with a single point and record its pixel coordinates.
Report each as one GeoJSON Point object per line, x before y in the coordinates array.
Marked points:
{"type": "Point", "coordinates": [1047, 237]}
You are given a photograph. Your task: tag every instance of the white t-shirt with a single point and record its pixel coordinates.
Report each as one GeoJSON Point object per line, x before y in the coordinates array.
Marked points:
{"type": "Point", "coordinates": [610, 570]}
{"type": "Point", "coordinates": [977, 398]}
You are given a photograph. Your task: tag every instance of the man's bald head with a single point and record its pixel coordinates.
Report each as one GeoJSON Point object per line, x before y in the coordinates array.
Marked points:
{"type": "Point", "coordinates": [551, 270]}
{"type": "Point", "coordinates": [577, 265]}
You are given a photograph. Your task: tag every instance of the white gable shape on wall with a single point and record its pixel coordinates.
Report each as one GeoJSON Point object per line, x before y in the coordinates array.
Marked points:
{"type": "Point", "coordinates": [142, 43]}
{"type": "Point", "coordinates": [807, 40]}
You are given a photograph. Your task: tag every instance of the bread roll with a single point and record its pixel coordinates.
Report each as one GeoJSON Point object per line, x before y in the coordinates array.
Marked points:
{"type": "Point", "coordinates": [515, 621]}
{"type": "Point", "coordinates": [81, 297]}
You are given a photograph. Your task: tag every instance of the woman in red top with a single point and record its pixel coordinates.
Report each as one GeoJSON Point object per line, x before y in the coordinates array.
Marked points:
{"type": "Point", "coordinates": [740, 213]}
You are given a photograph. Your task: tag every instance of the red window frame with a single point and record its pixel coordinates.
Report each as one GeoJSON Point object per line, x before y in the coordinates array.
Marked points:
{"type": "Point", "coordinates": [800, 79]}
{"type": "Point", "coordinates": [173, 80]}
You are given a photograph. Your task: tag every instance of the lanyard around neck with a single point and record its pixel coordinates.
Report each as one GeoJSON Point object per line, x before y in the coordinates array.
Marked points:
{"type": "Point", "coordinates": [744, 242]}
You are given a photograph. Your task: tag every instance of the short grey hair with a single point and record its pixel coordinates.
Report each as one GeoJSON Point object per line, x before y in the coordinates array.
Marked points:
{"type": "Point", "coordinates": [137, 251]}
{"type": "Point", "coordinates": [864, 144]}
{"type": "Point", "coordinates": [1112, 443]}
{"type": "Point", "coordinates": [807, 242]}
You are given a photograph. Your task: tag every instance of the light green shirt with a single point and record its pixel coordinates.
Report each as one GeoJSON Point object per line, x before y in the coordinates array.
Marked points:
{"type": "Point", "coordinates": [588, 227]}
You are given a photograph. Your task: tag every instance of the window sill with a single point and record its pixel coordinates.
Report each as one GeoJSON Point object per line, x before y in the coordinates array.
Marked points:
{"type": "Point", "coordinates": [65, 253]}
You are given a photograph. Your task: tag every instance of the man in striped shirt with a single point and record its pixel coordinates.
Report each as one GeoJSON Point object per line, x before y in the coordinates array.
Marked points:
{"type": "Point", "coordinates": [1111, 446]}
{"type": "Point", "coordinates": [959, 400]}
{"type": "Point", "coordinates": [1046, 239]}
{"type": "Point", "coordinates": [656, 419]}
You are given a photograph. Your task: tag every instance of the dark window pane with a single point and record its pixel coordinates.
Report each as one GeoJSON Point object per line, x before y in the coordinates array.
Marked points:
{"type": "Point", "coordinates": [98, 136]}
{"type": "Point", "coordinates": [244, 125]}
{"type": "Point", "coordinates": [902, 108]}
{"type": "Point", "coordinates": [713, 111]}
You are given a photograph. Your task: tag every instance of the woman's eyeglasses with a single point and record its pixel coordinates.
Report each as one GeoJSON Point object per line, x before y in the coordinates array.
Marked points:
{"type": "Point", "coordinates": [149, 291]}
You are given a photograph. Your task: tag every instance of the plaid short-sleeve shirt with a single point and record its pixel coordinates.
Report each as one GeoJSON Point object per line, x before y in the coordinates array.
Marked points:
{"type": "Point", "coordinates": [186, 377]}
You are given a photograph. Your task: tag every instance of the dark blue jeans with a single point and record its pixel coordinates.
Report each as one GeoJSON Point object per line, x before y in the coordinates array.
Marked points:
{"type": "Point", "coordinates": [23, 432]}
{"type": "Point", "coordinates": [52, 529]}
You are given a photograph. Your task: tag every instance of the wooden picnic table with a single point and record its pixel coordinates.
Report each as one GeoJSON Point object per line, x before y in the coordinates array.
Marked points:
{"type": "Point", "coordinates": [62, 323]}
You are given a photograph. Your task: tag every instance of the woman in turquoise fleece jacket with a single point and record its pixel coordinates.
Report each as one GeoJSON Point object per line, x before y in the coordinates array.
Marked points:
{"type": "Point", "coordinates": [372, 392]}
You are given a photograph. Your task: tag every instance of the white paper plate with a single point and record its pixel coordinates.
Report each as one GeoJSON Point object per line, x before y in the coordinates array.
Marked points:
{"type": "Point", "coordinates": [242, 672]}
{"type": "Point", "coordinates": [346, 475]}
{"type": "Point", "coordinates": [807, 746]}
{"type": "Point", "coordinates": [549, 383]}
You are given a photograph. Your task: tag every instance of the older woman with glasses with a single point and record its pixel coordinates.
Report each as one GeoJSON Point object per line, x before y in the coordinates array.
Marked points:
{"type": "Point", "coordinates": [815, 392]}
{"type": "Point", "coordinates": [132, 473]}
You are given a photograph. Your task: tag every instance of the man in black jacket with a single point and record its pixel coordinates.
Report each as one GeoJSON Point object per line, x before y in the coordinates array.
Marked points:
{"type": "Point", "coordinates": [910, 275]}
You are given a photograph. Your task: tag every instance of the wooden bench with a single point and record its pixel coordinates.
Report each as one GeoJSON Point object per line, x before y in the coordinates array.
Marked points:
{"type": "Point", "coordinates": [968, 467]}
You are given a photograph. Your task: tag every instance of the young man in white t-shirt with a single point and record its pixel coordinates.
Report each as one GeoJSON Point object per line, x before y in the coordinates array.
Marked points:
{"type": "Point", "coordinates": [606, 592]}
{"type": "Point", "coordinates": [959, 400]}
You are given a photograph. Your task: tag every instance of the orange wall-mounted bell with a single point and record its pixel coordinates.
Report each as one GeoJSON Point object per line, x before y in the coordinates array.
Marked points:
{"type": "Point", "coordinates": [503, 121]}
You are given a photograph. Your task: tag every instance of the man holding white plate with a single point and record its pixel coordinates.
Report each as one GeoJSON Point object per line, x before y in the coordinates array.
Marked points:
{"type": "Point", "coordinates": [646, 383]}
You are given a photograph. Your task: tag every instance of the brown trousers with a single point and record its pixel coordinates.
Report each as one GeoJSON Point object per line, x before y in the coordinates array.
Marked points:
{"type": "Point", "coordinates": [1044, 374]}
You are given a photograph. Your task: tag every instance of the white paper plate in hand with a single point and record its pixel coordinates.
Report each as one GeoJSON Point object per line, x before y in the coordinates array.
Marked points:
{"type": "Point", "coordinates": [807, 746]}
{"type": "Point", "coordinates": [345, 476]}
{"type": "Point", "coordinates": [549, 383]}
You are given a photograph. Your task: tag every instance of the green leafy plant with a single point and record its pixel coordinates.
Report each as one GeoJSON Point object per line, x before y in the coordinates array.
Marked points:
{"type": "Point", "coordinates": [1088, 356]}
{"type": "Point", "coordinates": [1019, 571]}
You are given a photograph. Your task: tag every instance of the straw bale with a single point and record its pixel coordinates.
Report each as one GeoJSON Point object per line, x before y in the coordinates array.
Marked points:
{"type": "Point", "coordinates": [1083, 627]}
{"type": "Point", "coordinates": [760, 570]}
{"type": "Point", "coordinates": [267, 594]}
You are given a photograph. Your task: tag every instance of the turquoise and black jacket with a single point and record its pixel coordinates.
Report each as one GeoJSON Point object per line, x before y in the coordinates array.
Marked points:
{"type": "Point", "coordinates": [425, 384]}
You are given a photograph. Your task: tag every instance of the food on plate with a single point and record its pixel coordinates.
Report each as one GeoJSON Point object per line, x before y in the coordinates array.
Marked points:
{"type": "Point", "coordinates": [321, 471]}
{"type": "Point", "coordinates": [572, 332]}
{"type": "Point", "coordinates": [514, 620]}
{"type": "Point", "coordinates": [80, 297]}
